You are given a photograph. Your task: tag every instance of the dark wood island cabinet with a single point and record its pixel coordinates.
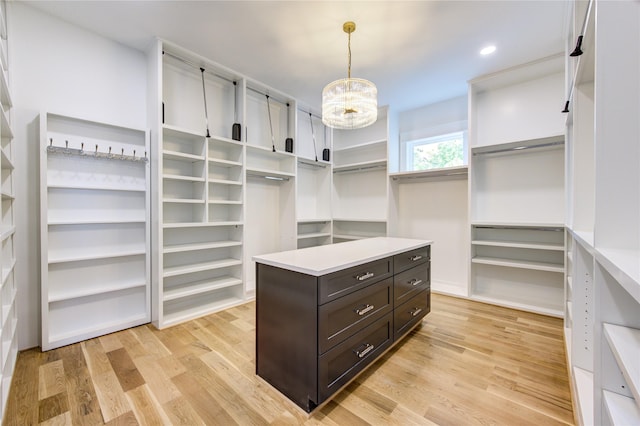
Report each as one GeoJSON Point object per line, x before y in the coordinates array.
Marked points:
{"type": "Point", "coordinates": [325, 313]}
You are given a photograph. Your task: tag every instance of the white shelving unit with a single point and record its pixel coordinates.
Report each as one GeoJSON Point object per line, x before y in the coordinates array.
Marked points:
{"type": "Point", "coordinates": [360, 181]}
{"type": "Point", "coordinates": [313, 181]}
{"type": "Point", "coordinates": [270, 176]}
{"type": "Point", "coordinates": [200, 184]}
{"type": "Point", "coordinates": [603, 285]}
{"type": "Point", "coordinates": [94, 197]}
{"type": "Point", "coordinates": [516, 188]}
{"type": "Point", "coordinates": [8, 283]}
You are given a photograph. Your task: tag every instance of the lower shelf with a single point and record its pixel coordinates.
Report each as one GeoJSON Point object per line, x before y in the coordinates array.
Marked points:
{"type": "Point", "coordinates": [200, 287]}
{"type": "Point", "coordinates": [180, 310]}
{"type": "Point", "coordinates": [621, 409]}
{"type": "Point", "coordinates": [71, 321]}
{"type": "Point", "coordinates": [536, 291]}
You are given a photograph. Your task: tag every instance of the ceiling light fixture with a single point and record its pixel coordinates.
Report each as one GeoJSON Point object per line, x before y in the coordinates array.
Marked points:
{"type": "Point", "coordinates": [349, 103]}
{"type": "Point", "coordinates": [488, 50]}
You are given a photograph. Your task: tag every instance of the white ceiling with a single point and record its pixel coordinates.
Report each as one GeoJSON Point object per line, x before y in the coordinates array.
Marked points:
{"type": "Point", "coordinates": [417, 52]}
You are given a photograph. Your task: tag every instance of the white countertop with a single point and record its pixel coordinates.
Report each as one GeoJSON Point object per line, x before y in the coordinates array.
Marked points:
{"type": "Point", "coordinates": [329, 258]}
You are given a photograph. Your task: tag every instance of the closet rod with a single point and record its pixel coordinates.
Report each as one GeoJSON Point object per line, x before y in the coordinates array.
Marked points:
{"type": "Point", "coordinates": [187, 62]}
{"type": "Point", "coordinates": [311, 163]}
{"type": "Point", "coordinates": [520, 148]}
{"type": "Point", "coordinates": [533, 228]}
{"type": "Point", "coordinates": [285, 103]}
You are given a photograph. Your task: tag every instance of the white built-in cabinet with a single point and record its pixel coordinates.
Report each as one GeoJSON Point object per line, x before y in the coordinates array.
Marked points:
{"type": "Point", "coordinates": [270, 176]}
{"type": "Point", "coordinates": [360, 181]}
{"type": "Point", "coordinates": [516, 188]}
{"type": "Point", "coordinates": [602, 285]}
{"type": "Point", "coordinates": [94, 229]}
{"type": "Point", "coordinates": [8, 283]}
{"type": "Point", "coordinates": [198, 186]}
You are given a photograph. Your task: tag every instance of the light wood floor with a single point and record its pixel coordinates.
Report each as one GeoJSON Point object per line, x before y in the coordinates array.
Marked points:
{"type": "Point", "coordinates": [469, 363]}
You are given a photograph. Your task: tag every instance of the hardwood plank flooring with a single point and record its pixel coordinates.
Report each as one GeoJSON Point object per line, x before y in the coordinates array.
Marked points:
{"type": "Point", "coordinates": [468, 363]}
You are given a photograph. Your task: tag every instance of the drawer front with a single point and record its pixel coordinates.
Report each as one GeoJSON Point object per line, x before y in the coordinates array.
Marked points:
{"type": "Point", "coordinates": [410, 313]}
{"type": "Point", "coordinates": [339, 319]}
{"type": "Point", "coordinates": [345, 361]}
{"type": "Point", "coordinates": [411, 258]}
{"type": "Point", "coordinates": [410, 282]}
{"type": "Point", "coordinates": [339, 283]}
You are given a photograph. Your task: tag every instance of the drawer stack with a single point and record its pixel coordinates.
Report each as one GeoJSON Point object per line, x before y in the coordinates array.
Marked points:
{"type": "Point", "coordinates": [315, 334]}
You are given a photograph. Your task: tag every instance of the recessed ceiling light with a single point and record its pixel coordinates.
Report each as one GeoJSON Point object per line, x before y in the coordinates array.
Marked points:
{"type": "Point", "coordinates": [488, 50]}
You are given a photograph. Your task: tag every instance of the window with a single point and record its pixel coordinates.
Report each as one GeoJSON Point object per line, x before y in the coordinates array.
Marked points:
{"type": "Point", "coordinates": [436, 152]}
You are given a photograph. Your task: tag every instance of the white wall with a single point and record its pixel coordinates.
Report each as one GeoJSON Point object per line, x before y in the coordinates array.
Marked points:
{"type": "Point", "coordinates": [67, 70]}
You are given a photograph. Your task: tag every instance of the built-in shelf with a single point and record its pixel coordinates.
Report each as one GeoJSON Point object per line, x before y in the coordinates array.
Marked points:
{"type": "Point", "coordinates": [498, 243]}
{"type": "Point", "coordinates": [94, 256]}
{"type": "Point", "coordinates": [183, 178]}
{"type": "Point", "coordinates": [179, 248]}
{"type": "Point", "coordinates": [624, 266]}
{"type": "Point", "coordinates": [194, 288]}
{"type": "Point", "coordinates": [622, 410]}
{"type": "Point", "coordinates": [370, 145]}
{"type": "Point", "coordinates": [96, 187]}
{"type": "Point", "coordinates": [199, 224]}
{"type": "Point", "coordinates": [198, 267]}
{"type": "Point", "coordinates": [625, 346]}
{"type": "Point", "coordinates": [61, 296]}
{"type": "Point", "coordinates": [269, 174]}
{"type": "Point", "coordinates": [181, 156]}
{"type": "Point", "coordinates": [314, 235]}
{"type": "Point", "coordinates": [524, 264]}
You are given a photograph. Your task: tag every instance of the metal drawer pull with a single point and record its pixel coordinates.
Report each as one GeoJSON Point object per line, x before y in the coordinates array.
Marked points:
{"type": "Point", "coordinates": [364, 276]}
{"type": "Point", "coordinates": [365, 351]}
{"type": "Point", "coordinates": [415, 312]}
{"type": "Point", "coordinates": [364, 310]}
{"type": "Point", "coordinates": [415, 281]}
{"type": "Point", "coordinates": [415, 258]}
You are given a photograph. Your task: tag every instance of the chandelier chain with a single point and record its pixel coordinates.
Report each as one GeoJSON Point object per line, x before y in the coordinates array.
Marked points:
{"type": "Point", "coordinates": [349, 68]}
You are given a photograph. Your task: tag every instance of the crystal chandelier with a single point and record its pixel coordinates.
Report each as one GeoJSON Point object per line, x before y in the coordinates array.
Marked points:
{"type": "Point", "coordinates": [349, 103]}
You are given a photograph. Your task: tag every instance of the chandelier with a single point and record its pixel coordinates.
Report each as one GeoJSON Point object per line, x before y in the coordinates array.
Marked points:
{"type": "Point", "coordinates": [349, 103]}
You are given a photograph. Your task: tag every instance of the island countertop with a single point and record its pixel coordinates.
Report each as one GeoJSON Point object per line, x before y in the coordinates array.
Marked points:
{"type": "Point", "coordinates": [321, 260]}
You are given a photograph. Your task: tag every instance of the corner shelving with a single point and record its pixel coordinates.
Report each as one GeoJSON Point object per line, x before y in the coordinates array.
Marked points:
{"type": "Point", "coordinates": [94, 229]}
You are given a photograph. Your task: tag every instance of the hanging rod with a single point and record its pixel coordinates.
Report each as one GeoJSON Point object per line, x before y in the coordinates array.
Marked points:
{"type": "Point", "coordinates": [52, 149]}
{"type": "Point", "coordinates": [312, 163]}
{"type": "Point", "coordinates": [360, 168]}
{"type": "Point", "coordinates": [552, 228]}
{"type": "Point", "coordinates": [286, 103]}
{"type": "Point", "coordinates": [186, 61]}
{"type": "Point", "coordinates": [520, 148]}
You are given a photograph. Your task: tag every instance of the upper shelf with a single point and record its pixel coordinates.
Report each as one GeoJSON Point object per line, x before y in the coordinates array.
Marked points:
{"type": "Point", "coordinates": [551, 142]}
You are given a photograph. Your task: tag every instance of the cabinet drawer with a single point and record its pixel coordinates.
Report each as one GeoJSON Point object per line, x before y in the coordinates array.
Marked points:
{"type": "Point", "coordinates": [411, 258]}
{"type": "Point", "coordinates": [339, 283]}
{"type": "Point", "coordinates": [410, 282]}
{"type": "Point", "coordinates": [343, 317]}
{"type": "Point", "coordinates": [343, 362]}
{"type": "Point", "coordinates": [410, 313]}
